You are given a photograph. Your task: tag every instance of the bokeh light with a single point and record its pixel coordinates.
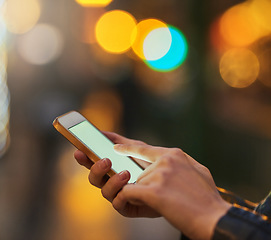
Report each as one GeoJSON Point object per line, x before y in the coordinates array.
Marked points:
{"type": "Point", "coordinates": [261, 10]}
{"type": "Point", "coordinates": [41, 45]}
{"type": "Point", "coordinates": [238, 27]}
{"type": "Point", "coordinates": [82, 211]}
{"type": "Point", "coordinates": [21, 16]}
{"type": "Point", "coordinates": [114, 31]}
{"type": "Point", "coordinates": [4, 91]}
{"type": "Point", "coordinates": [239, 68]}
{"type": "Point", "coordinates": [142, 31]}
{"type": "Point", "coordinates": [216, 39]}
{"type": "Point", "coordinates": [175, 56]}
{"type": "Point", "coordinates": [157, 43]}
{"type": "Point", "coordinates": [94, 3]}
{"type": "Point", "coordinates": [76, 196]}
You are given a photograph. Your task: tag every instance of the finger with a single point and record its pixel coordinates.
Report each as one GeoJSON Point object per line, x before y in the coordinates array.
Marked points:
{"type": "Point", "coordinates": [127, 208]}
{"type": "Point", "coordinates": [144, 152]}
{"type": "Point", "coordinates": [129, 194]}
{"type": "Point", "coordinates": [114, 185]}
{"type": "Point", "coordinates": [116, 138]}
{"type": "Point", "coordinates": [142, 163]}
{"type": "Point", "coordinates": [146, 172]}
{"type": "Point", "coordinates": [82, 159]}
{"type": "Point", "coordinates": [97, 175]}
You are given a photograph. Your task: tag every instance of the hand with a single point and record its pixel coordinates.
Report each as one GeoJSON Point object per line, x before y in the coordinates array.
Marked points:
{"type": "Point", "coordinates": [177, 187]}
{"type": "Point", "coordinates": [111, 187]}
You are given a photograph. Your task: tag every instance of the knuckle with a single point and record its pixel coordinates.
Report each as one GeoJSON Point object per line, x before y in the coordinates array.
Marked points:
{"type": "Point", "coordinates": [105, 194]}
{"type": "Point", "coordinates": [167, 160]}
{"type": "Point", "coordinates": [205, 170]}
{"type": "Point", "coordinates": [164, 175]}
{"type": "Point", "coordinates": [177, 152]}
{"type": "Point", "coordinates": [139, 142]}
{"type": "Point", "coordinates": [116, 206]}
{"type": "Point", "coordinates": [90, 179]}
{"type": "Point", "coordinates": [162, 179]}
{"type": "Point", "coordinates": [172, 157]}
{"type": "Point", "coordinates": [93, 181]}
{"type": "Point", "coordinates": [142, 151]}
{"type": "Point", "coordinates": [156, 191]}
{"type": "Point", "coordinates": [93, 169]}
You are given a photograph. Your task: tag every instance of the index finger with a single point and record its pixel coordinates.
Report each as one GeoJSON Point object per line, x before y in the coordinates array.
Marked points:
{"type": "Point", "coordinates": [116, 138]}
{"type": "Point", "coordinates": [144, 152]}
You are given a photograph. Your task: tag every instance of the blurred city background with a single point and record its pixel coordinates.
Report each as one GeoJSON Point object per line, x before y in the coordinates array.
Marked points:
{"type": "Point", "coordinates": [176, 73]}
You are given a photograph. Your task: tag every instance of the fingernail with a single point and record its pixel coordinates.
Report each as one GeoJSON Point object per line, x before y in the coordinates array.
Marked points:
{"type": "Point", "coordinates": [117, 146]}
{"type": "Point", "coordinates": [124, 175]}
{"type": "Point", "coordinates": [105, 163]}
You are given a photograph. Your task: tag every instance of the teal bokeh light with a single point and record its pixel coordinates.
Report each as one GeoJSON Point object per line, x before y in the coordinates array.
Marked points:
{"type": "Point", "coordinates": [175, 56]}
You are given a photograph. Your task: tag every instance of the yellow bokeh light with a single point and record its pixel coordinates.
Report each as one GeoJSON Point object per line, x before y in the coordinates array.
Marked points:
{"type": "Point", "coordinates": [94, 3]}
{"type": "Point", "coordinates": [21, 16]}
{"type": "Point", "coordinates": [114, 31]}
{"type": "Point", "coordinates": [82, 200]}
{"type": "Point", "coordinates": [261, 10]}
{"type": "Point", "coordinates": [140, 33]}
{"type": "Point", "coordinates": [237, 26]}
{"type": "Point", "coordinates": [82, 212]}
{"type": "Point", "coordinates": [239, 68]}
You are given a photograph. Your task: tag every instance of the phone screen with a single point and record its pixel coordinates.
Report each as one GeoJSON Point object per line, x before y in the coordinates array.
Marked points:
{"type": "Point", "coordinates": [103, 148]}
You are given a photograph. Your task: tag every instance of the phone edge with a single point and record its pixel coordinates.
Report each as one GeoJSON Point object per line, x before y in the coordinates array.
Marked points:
{"type": "Point", "coordinates": [74, 141]}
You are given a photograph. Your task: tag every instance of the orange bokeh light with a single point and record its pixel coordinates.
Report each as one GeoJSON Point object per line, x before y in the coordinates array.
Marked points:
{"type": "Point", "coordinates": [239, 68]}
{"type": "Point", "coordinates": [237, 26]}
{"type": "Point", "coordinates": [261, 10]}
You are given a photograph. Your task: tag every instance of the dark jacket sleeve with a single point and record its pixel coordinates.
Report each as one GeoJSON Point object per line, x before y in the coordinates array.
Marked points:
{"type": "Point", "coordinates": [241, 224]}
{"type": "Point", "coordinates": [244, 221]}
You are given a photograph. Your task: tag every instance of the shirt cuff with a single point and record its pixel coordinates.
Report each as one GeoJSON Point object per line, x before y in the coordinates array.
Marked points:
{"type": "Point", "coordinates": [239, 224]}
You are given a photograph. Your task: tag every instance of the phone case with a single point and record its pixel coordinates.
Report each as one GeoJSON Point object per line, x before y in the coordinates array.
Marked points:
{"type": "Point", "coordinates": [78, 144]}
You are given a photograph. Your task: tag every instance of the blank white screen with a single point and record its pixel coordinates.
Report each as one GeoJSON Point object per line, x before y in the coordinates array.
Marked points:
{"type": "Point", "coordinates": [103, 148]}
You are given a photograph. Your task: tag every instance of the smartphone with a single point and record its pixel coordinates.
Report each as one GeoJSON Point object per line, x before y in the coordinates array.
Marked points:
{"type": "Point", "coordinates": [87, 138]}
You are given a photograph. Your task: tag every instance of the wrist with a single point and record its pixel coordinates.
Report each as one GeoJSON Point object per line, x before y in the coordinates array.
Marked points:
{"type": "Point", "coordinates": [218, 211]}
{"type": "Point", "coordinates": [205, 220]}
